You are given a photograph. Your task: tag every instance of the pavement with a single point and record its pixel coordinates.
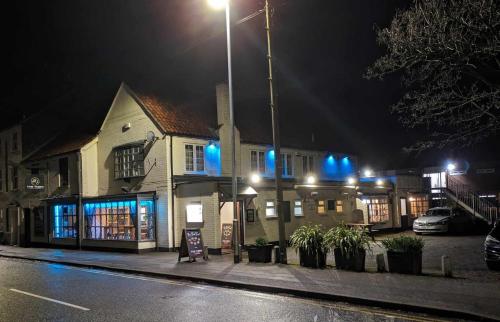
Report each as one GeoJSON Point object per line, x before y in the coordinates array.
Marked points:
{"type": "Point", "coordinates": [465, 297]}
{"type": "Point", "coordinates": [38, 291]}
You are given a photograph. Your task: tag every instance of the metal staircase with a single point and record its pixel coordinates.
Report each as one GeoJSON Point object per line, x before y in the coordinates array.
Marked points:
{"type": "Point", "coordinates": [464, 196]}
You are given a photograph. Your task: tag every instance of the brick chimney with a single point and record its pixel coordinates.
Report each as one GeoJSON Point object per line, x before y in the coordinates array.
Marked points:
{"type": "Point", "coordinates": [222, 93]}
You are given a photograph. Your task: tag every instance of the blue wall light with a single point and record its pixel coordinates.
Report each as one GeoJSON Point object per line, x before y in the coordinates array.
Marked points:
{"type": "Point", "coordinates": [270, 162]}
{"type": "Point", "coordinates": [212, 158]}
{"type": "Point", "coordinates": [330, 167]}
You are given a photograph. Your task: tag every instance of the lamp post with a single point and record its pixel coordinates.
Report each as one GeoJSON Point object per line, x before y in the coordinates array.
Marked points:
{"type": "Point", "coordinates": [219, 4]}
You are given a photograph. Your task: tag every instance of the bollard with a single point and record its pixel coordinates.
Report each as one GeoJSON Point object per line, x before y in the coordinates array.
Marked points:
{"type": "Point", "coordinates": [446, 266]}
{"type": "Point", "coordinates": [276, 254]}
{"type": "Point", "coordinates": [380, 263]}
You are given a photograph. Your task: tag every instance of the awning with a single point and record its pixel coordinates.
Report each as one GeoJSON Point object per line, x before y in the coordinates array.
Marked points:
{"type": "Point", "coordinates": [244, 192]}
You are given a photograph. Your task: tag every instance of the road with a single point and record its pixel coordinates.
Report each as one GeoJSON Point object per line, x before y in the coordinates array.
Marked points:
{"type": "Point", "coordinates": [36, 291]}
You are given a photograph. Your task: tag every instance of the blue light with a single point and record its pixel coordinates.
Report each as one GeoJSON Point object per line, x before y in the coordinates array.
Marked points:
{"type": "Point", "coordinates": [270, 163]}
{"type": "Point", "coordinates": [212, 159]}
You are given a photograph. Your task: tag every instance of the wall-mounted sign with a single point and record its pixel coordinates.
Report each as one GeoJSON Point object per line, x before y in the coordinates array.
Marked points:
{"type": "Point", "coordinates": [35, 182]}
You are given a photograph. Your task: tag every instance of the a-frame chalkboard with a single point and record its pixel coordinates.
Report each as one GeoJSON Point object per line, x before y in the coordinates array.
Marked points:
{"type": "Point", "coordinates": [191, 245]}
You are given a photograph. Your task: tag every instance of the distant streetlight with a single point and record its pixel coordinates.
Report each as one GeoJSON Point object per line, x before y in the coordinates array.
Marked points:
{"type": "Point", "coordinates": [220, 4]}
{"type": "Point", "coordinates": [311, 179]}
{"type": "Point", "coordinates": [368, 173]}
{"type": "Point", "coordinates": [451, 166]}
{"type": "Point", "coordinates": [351, 180]}
{"type": "Point", "coordinates": [255, 178]}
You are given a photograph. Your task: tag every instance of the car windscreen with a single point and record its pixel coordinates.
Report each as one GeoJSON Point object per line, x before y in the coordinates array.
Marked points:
{"type": "Point", "coordinates": [437, 212]}
{"type": "Point", "coordinates": [495, 233]}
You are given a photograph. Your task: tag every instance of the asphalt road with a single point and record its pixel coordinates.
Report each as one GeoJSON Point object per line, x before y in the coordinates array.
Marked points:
{"type": "Point", "coordinates": [36, 291]}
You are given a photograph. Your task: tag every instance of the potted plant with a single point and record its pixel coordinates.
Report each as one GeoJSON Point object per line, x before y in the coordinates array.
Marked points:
{"type": "Point", "coordinates": [260, 252]}
{"type": "Point", "coordinates": [308, 240]}
{"type": "Point", "coordinates": [349, 247]}
{"type": "Point", "coordinates": [404, 254]}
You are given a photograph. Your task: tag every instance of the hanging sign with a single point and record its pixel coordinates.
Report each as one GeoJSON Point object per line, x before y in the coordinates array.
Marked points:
{"type": "Point", "coordinates": [227, 236]}
{"type": "Point", "coordinates": [35, 183]}
{"type": "Point", "coordinates": [191, 244]}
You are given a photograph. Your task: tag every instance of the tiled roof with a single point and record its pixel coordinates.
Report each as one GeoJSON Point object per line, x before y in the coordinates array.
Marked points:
{"type": "Point", "coordinates": [62, 144]}
{"type": "Point", "coordinates": [177, 119]}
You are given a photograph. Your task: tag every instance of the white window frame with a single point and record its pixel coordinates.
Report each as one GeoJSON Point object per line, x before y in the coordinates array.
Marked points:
{"type": "Point", "coordinates": [195, 163]}
{"type": "Point", "coordinates": [307, 164]}
{"type": "Point", "coordinates": [270, 209]}
{"type": "Point", "coordinates": [298, 210]}
{"type": "Point", "coordinates": [130, 168]}
{"type": "Point", "coordinates": [198, 218]}
{"type": "Point", "coordinates": [260, 164]}
{"type": "Point", "coordinates": [323, 205]}
{"type": "Point", "coordinates": [284, 162]}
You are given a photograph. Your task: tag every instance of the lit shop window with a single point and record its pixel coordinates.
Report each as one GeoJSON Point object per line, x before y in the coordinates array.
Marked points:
{"type": "Point", "coordinates": [378, 210]}
{"type": "Point", "coordinates": [195, 158]}
{"type": "Point", "coordinates": [111, 220]}
{"type": "Point", "coordinates": [194, 213]}
{"type": "Point", "coordinates": [418, 206]}
{"type": "Point", "coordinates": [146, 211]}
{"type": "Point", "coordinates": [297, 208]}
{"type": "Point", "coordinates": [270, 209]}
{"type": "Point", "coordinates": [129, 162]}
{"type": "Point", "coordinates": [64, 221]}
{"type": "Point", "coordinates": [320, 205]}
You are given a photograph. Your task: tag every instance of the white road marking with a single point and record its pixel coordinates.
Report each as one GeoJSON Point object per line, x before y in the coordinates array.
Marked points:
{"type": "Point", "coordinates": [51, 300]}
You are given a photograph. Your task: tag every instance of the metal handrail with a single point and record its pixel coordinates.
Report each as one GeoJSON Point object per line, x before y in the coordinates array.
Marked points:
{"type": "Point", "coordinates": [465, 194]}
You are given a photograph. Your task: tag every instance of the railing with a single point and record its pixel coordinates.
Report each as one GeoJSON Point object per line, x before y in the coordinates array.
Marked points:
{"type": "Point", "coordinates": [480, 207]}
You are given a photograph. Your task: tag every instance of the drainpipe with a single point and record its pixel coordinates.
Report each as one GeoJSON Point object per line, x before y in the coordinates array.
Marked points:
{"type": "Point", "coordinates": [172, 189]}
{"type": "Point", "coordinates": [80, 192]}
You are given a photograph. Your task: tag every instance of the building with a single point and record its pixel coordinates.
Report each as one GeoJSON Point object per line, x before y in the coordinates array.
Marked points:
{"type": "Point", "coordinates": [151, 169]}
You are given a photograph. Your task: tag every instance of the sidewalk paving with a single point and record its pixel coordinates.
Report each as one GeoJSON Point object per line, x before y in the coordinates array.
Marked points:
{"type": "Point", "coordinates": [456, 297]}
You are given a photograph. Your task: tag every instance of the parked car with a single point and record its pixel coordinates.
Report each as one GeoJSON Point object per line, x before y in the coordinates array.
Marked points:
{"type": "Point", "coordinates": [443, 220]}
{"type": "Point", "coordinates": [492, 248]}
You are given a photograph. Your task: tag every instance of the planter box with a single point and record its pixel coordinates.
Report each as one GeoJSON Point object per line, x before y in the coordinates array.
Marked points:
{"type": "Point", "coordinates": [405, 263]}
{"type": "Point", "coordinates": [261, 254]}
{"type": "Point", "coordinates": [313, 259]}
{"type": "Point", "coordinates": [355, 262]}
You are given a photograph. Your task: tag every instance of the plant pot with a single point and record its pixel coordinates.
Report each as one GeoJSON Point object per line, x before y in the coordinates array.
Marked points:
{"type": "Point", "coordinates": [312, 258]}
{"type": "Point", "coordinates": [353, 262]}
{"type": "Point", "coordinates": [260, 254]}
{"type": "Point", "coordinates": [405, 263]}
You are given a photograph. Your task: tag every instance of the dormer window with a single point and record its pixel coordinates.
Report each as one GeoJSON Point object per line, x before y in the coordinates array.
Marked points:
{"type": "Point", "coordinates": [129, 161]}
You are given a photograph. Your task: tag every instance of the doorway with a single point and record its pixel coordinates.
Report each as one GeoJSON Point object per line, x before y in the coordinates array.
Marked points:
{"type": "Point", "coordinates": [226, 225]}
{"type": "Point", "coordinates": [403, 213]}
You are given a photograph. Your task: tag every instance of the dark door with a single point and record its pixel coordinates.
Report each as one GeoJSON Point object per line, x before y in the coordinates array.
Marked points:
{"type": "Point", "coordinates": [241, 219]}
{"type": "Point", "coordinates": [25, 234]}
{"type": "Point", "coordinates": [286, 211]}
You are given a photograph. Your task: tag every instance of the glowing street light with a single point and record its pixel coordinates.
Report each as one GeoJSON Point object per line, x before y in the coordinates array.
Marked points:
{"type": "Point", "coordinates": [351, 180]}
{"type": "Point", "coordinates": [379, 182]}
{"type": "Point", "coordinates": [218, 4]}
{"type": "Point", "coordinates": [451, 166]}
{"type": "Point", "coordinates": [255, 178]}
{"type": "Point", "coordinates": [311, 179]}
{"type": "Point", "coordinates": [368, 173]}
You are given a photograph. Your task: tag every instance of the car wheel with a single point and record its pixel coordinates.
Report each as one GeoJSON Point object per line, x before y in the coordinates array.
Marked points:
{"type": "Point", "coordinates": [493, 265]}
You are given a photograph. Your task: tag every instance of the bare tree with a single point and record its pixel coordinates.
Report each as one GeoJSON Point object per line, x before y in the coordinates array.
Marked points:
{"type": "Point", "coordinates": [448, 55]}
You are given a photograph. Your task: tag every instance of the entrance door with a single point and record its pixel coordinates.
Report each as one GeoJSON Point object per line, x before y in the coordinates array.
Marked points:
{"type": "Point", "coordinates": [286, 211]}
{"type": "Point", "coordinates": [241, 220]}
{"type": "Point", "coordinates": [25, 237]}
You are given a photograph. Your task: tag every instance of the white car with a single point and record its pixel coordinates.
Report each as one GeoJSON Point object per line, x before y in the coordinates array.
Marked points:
{"type": "Point", "coordinates": [443, 220]}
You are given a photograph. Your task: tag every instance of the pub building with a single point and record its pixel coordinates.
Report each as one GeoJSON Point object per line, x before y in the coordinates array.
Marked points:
{"type": "Point", "coordinates": [144, 169]}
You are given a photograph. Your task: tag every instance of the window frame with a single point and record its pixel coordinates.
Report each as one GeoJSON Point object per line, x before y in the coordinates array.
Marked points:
{"type": "Point", "coordinates": [68, 230]}
{"type": "Point", "coordinates": [295, 207]}
{"type": "Point", "coordinates": [378, 206]}
{"type": "Point", "coordinates": [115, 220]}
{"type": "Point", "coordinates": [269, 207]}
{"type": "Point", "coordinates": [307, 164]}
{"type": "Point", "coordinates": [286, 164]}
{"type": "Point", "coordinates": [321, 203]}
{"type": "Point", "coordinates": [260, 161]}
{"type": "Point", "coordinates": [14, 177]}
{"type": "Point", "coordinates": [131, 168]}
{"type": "Point", "coordinates": [195, 158]}
{"type": "Point", "coordinates": [191, 224]}
{"type": "Point", "coordinates": [417, 204]}
{"type": "Point", "coordinates": [63, 173]}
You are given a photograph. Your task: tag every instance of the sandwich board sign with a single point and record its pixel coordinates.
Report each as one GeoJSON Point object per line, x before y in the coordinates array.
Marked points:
{"type": "Point", "coordinates": [191, 245]}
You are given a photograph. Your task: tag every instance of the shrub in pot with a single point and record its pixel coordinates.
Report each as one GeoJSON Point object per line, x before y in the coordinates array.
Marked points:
{"type": "Point", "coordinates": [260, 252]}
{"type": "Point", "coordinates": [308, 240]}
{"type": "Point", "coordinates": [404, 254]}
{"type": "Point", "coordinates": [349, 247]}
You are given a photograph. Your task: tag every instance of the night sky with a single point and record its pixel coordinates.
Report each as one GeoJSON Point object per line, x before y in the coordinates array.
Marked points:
{"type": "Point", "coordinates": [177, 48]}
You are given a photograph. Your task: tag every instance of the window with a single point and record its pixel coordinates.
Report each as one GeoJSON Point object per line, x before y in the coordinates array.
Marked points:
{"type": "Point", "coordinates": [331, 205]}
{"type": "Point", "coordinates": [15, 178]}
{"type": "Point", "coordinates": [418, 206]}
{"type": "Point", "coordinates": [297, 208]}
{"type": "Point", "coordinates": [146, 211]}
{"type": "Point", "coordinates": [378, 210]}
{"type": "Point", "coordinates": [270, 209]}
{"type": "Point", "coordinates": [63, 172]}
{"type": "Point", "coordinates": [195, 158]}
{"type": "Point", "coordinates": [257, 161]}
{"type": "Point", "coordinates": [194, 213]}
{"type": "Point", "coordinates": [307, 164]}
{"type": "Point", "coordinates": [64, 221]}
{"type": "Point", "coordinates": [438, 179]}
{"type": "Point", "coordinates": [339, 206]}
{"type": "Point", "coordinates": [286, 161]}
{"type": "Point", "coordinates": [15, 145]}
{"type": "Point", "coordinates": [320, 205]}
{"type": "Point", "coordinates": [39, 221]}
{"type": "Point", "coordinates": [114, 220]}
{"type": "Point", "coordinates": [1, 180]}
{"type": "Point", "coordinates": [129, 162]}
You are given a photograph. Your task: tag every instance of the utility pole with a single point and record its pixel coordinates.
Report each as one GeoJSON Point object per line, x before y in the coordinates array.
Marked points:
{"type": "Point", "coordinates": [278, 165]}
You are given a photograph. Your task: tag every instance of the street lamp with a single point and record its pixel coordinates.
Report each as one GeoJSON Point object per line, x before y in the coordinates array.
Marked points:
{"type": "Point", "coordinates": [220, 4]}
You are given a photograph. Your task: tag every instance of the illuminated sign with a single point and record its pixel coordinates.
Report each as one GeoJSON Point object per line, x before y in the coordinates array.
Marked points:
{"type": "Point", "coordinates": [35, 183]}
